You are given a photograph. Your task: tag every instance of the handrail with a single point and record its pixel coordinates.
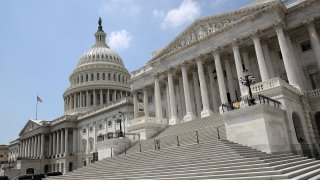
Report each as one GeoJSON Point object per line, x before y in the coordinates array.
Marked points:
{"type": "Point", "coordinates": [177, 140]}
{"type": "Point", "coordinates": [267, 100]}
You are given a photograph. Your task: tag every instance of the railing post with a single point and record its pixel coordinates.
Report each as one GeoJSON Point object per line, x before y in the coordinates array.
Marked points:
{"type": "Point", "coordinates": [178, 140]}
{"type": "Point", "coordinates": [218, 132]}
{"type": "Point", "coordinates": [155, 146]}
{"type": "Point", "coordinates": [125, 150]}
{"type": "Point", "coordinates": [111, 152]}
{"type": "Point", "coordinates": [140, 147]}
{"type": "Point", "coordinates": [197, 137]}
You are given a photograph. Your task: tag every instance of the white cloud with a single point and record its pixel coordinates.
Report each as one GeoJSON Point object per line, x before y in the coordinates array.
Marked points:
{"type": "Point", "coordinates": [119, 40]}
{"type": "Point", "coordinates": [120, 6]}
{"type": "Point", "coordinates": [158, 13]}
{"type": "Point", "coordinates": [186, 12]}
{"type": "Point", "coordinates": [216, 3]}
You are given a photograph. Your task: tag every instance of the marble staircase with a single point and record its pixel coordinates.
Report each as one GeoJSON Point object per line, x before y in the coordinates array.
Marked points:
{"type": "Point", "coordinates": [200, 154]}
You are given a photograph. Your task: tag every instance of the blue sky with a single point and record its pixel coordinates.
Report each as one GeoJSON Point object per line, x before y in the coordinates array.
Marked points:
{"type": "Point", "coordinates": [41, 41]}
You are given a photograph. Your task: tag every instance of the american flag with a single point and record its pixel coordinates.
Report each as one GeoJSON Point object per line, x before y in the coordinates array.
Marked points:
{"type": "Point", "coordinates": [39, 99]}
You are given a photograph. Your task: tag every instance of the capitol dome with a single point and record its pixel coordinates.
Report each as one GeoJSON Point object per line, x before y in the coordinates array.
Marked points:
{"type": "Point", "coordinates": [99, 79]}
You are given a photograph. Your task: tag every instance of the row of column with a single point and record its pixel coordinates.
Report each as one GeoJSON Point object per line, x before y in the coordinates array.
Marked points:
{"type": "Point", "coordinates": [83, 98]}
{"type": "Point", "coordinates": [263, 59]}
{"type": "Point", "coordinates": [59, 142]}
{"type": "Point", "coordinates": [33, 147]}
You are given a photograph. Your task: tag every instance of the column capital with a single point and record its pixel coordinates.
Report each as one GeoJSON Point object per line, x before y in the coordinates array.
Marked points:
{"type": "Point", "coordinates": [255, 33]}
{"type": "Point", "coordinates": [184, 65]}
{"type": "Point", "coordinates": [156, 75]}
{"type": "Point", "coordinates": [234, 43]}
{"type": "Point", "coordinates": [308, 21]}
{"type": "Point", "coordinates": [278, 24]}
{"type": "Point", "coordinates": [216, 50]}
{"type": "Point", "coordinates": [171, 70]}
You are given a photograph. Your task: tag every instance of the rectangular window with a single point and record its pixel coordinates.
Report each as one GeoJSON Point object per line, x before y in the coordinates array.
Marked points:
{"type": "Point", "coordinates": [84, 131]}
{"type": "Point", "coordinates": [114, 77]}
{"type": "Point", "coordinates": [81, 78]}
{"type": "Point", "coordinates": [109, 76]}
{"type": "Point", "coordinates": [98, 76]}
{"type": "Point", "coordinates": [305, 46]}
{"type": "Point", "coordinates": [109, 123]}
{"type": "Point", "coordinates": [87, 77]}
{"type": "Point", "coordinates": [103, 76]}
{"type": "Point", "coordinates": [119, 78]}
{"type": "Point", "coordinates": [92, 77]}
{"type": "Point", "coordinates": [91, 129]}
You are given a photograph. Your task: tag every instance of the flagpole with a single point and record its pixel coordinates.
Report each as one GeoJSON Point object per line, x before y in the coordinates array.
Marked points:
{"type": "Point", "coordinates": [37, 108]}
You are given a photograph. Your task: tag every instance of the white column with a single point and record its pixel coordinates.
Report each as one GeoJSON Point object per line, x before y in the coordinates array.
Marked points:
{"type": "Point", "coordinates": [101, 97]}
{"type": "Point", "coordinates": [58, 143]}
{"type": "Point", "coordinates": [24, 148]}
{"type": "Point", "coordinates": [213, 88]}
{"type": "Point", "coordinates": [314, 39]}
{"type": "Point", "coordinates": [145, 102]}
{"type": "Point", "coordinates": [108, 96]}
{"type": "Point", "coordinates": [135, 105]}
{"type": "Point", "coordinates": [39, 148]}
{"type": "Point", "coordinates": [267, 58]}
{"type": "Point", "coordinates": [221, 84]}
{"type": "Point", "coordinates": [66, 142]}
{"type": "Point", "coordinates": [74, 101]}
{"type": "Point", "coordinates": [288, 64]}
{"type": "Point", "coordinates": [189, 115]}
{"type": "Point", "coordinates": [173, 108]}
{"type": "Point", "coordinates": [157, 97]}
{"type": "Point", "coordinates": [94, 98]}
{"type": "Point", "coordinates": [232, 90]}
{"type": "Point", "coordinates": [196, 89]}
{"type": "Point", "coordinates": [42, 146]}
{"type": "Point", "coordinates": [87, 99]}
{"type": "Point", "coordinates": [32, 148]}
{"type": "Point", "coordinates": [74, 140]}
{"type": "Point", "coordinates": [261, 61]}
{"type": "Point", "coordinates": [237, 58]}
{"type": "Point", "coordinates": [50, 144]}
{"type": "Point", "coordinates": [62, 142]}
{"type": "Point", "coordinates": [246, 61]}
{"type": "Point", "coordinates": [206, 111]}
{"type": "Point", "coordinates": [81, 100]}
{"type": "Point", "coordinates": [27, 148]}
{"type": "Point", "coordinates": [54, 148]}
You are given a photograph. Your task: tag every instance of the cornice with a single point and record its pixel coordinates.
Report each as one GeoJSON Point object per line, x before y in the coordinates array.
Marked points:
{"type": "Point", "coordinates": [259, 10]}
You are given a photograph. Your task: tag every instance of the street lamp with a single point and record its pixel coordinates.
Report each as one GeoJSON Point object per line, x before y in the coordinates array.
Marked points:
{"type": "Point", "coordinates": [119, 118]}
{"type": "Point", "coordinates": [248, 80]}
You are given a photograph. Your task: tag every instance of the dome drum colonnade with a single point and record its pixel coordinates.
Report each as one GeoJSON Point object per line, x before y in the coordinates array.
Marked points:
{"type": "Point", "coordinates": [99, 79]}
{"type": "Point", "coordinates": [263, 60]}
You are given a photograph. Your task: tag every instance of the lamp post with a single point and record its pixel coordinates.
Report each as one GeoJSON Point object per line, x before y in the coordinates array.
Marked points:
{"type": "Point", "coordinates": [248, 80]}
{"type": "Point", "coordinates": [119, 118]}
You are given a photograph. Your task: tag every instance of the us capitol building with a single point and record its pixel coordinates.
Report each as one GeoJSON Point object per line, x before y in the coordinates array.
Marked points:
{"type": "Point", "coordinates": [195, 76]}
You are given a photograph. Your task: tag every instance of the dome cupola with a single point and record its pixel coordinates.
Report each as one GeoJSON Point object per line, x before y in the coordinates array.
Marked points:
{"type": "Point", "coordinates": [99, 79]}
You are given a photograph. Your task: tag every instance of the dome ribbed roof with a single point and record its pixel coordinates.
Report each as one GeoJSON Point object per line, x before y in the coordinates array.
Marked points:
{"type": "Point", "coordinates": [100, 55]}
{"type": "Point", "coordinates": [100, 51]}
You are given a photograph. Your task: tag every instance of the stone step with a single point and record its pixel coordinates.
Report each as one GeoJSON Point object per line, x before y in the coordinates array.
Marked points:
{"type": "Point", "coordinates": [305, 168]}
{"type": "Point", "coordinates": [309, 175]}
{"type": "Point", "coordinates": [212, 165]}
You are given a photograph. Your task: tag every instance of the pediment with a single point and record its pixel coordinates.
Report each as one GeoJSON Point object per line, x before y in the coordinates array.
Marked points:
{"type": "Point", "coordinates": [30, 125]}
{"type": "Point", "coordinates": [209, 26]}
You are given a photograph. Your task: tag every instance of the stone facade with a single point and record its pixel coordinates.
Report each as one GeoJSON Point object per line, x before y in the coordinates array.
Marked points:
{"type": "Point", "coordinates": [98, 91]}
{"type": "Point", "coordinates": [199, 72]}
{"type": "Point", "coordinates": [192, 77]}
